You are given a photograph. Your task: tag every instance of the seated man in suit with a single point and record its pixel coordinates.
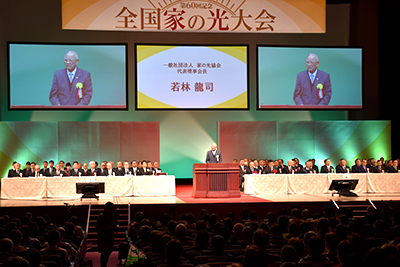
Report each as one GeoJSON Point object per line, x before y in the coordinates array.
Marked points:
{"type": "Point", "coordinates": [313, 86]}
{"type": "Point", "coordinates": [251, 169]}
{"type": "Point", "coordinates": [213, 155]}
{"type": "Point", "coordinates": [290, 168]}
{"type": "Point", "coordinates": [314, 167]}
{"type": "Point", "coordinates": [12, 169]}
{"type": "Point", "coordinates": [72, 85]}
{"type": "Point", "coordinates": [38, 171]}
{"type": "Point", "coordinates": [49, 171]}
{"type": "Point", "coordinates": [342, 167]}
{"type": "Point", "coordinates": [109, 171]}
{"type": "Point", "coordinates": [45, 166]}
{"type": "Point", "coordinates": [256, 166]}
{"type": "Point", "coordinates": [93, 171]}
{"type": "Point", "coordinates": [150, 167]}
{"type": "Point", "coordinates": [62, 165]}
{"type": "Point", "coordinates": [67, 170]}
{"type": "Point", "coordinates": [85, 170]}
{"type": "Point", "coordinates": [394, 168]}
{"type": "Point", "coordinates": [281, 166]}
{"type": "Point", "coordinates": [242, 171]}
{"type": "Point", "coordinates": [373, 165]}
{"type": "Point", "coordinates": [16, 171]}
{"type": "Point", "coordinates": [58, 172]}
{"type": "Point", "coordinates": [354, 168]}
{"type": "Point", "coordinates": [135, 168]}
{"type": "Point", "coordinates": [75, 171]}
{"type": "Point", "coordinates": [119, 171]}
{"type": "Point", "coordinates": [327, 168]}
{"type": "Point", "coordinates": [270, 168]}
{"type": "Point", "coordinates": [31, 171]}
{"type": "Point", "coordinates": [308, 169]}
{"type": "Point", "coordinates": [127, 170]}
{"type": "Point", "coordinates": [144, 170]}
{"type": "Point", "coordinates": [297, 164]}
{"type": "Point", "coordinates": [261, 165]}
{"type": "Point", "coordinates": [363, 167]}
{"type": "Point", "coordinates": [380, 168]}
{"type": "Point", "coordinates": [156, 167]}
{"type": "Point", "coordinates": [103, 167]}
{"type": "Point", "coordinates": [27, 168]}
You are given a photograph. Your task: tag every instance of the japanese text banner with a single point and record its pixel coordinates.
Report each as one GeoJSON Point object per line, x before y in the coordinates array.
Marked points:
{"type": "Point", "coordinates": [257, 16]}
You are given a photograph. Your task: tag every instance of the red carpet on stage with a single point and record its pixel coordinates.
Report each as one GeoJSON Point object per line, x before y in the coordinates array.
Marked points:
{"type": "Point", "coordinates": [184, 193]}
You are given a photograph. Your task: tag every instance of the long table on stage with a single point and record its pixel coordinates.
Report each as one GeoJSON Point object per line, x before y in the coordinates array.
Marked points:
{"type": "Point", "coordinates": [48, 187]}
{"type": "Point", "coordinates": [270, 184]}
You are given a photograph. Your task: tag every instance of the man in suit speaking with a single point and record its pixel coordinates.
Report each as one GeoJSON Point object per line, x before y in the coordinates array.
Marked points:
{"type": "Point", "coordinates": [213, 155]}
{"type": "Point", "coordinates": [313, 86]}
{"type": "Point", "coordinates": [72, 85]}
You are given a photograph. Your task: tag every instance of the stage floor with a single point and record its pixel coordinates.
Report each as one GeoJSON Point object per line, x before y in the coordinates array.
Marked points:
{"type": "Point", "coordinates": [184, 196]}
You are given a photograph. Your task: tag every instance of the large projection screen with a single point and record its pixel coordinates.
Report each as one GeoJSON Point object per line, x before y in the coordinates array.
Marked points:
{"type": "Point", "coordinates": [285, 81]}
{"type": "Point", "coordinates": [191, 77]}
{"type": "Point", "coordinates": [38, 77]}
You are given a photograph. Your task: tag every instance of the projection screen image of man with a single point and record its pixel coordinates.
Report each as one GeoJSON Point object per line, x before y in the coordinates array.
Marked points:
{"type": "Point", "coordinates": [72, 85]}
{"type": "Point", "coordinates": [313, 86]}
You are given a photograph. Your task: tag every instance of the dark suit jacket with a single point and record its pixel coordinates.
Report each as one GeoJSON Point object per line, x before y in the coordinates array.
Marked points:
{"type": "Point", "coordinates": [97, 171]}
{"type": "Point", "coordinates": [360, 169]}
{"type": "Point", "coordinates": [102, 172]}
{"type": "Point", "coordinates": [30, 173]}
{"type": "Point", "coordinates": [315, 167]}
{"type": "Point", "coordinates": [267, 170]}
{"type": "Point", "coordinates": [64, 93]}
{"type": "Point", "coordinates": [139, 171]}
{"type": "Point", "coordinates": [119, 172]}
{"type": "Point", "coordinates": [210, 158]}
{"type": "Point", "coordinates": [306, 93]}
{"type": "Point", "coordinates": [325, 169]}
{"type": "Point", "coordinates": [145, 171]}
{"type": "Point", "coordinates": [305, 171]}
{"type": "Point", "coordinates": [86, 173]}
{"type": "Point", "coordinates": [376, 170]}
{"type": "Point", "coordinates": [391, 169]}
{"type": "Point", "coordinates": [251, 171]}
{"type": "Point", "coordinates": [293, 169]}
{"type": "Point", "coordinates": [354, 169]}
{"type": "Point", "coordinates": [107, 173]}
{"type": "Point", "coordinates": [72, 172]}
{"type": "Point", "coordinates": [47, 172]}
{"type": "Point", "coordinates": [340, 169]}
{"type": "Point", "coordinates": [14, 173]}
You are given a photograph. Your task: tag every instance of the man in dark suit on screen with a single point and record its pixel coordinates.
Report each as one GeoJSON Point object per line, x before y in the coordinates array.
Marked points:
{"type": "Point", "coordinates": [72, 85]}
{"type": "Point", "coordinates": [213, 155]}
{"type": "Point", "coordinates": [313, 86]}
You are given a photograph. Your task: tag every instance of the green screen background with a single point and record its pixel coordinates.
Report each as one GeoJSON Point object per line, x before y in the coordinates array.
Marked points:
{"type": "Point", "coordinates": [32, 68]}
{"type": "Point", "coordinates": [278, 68]}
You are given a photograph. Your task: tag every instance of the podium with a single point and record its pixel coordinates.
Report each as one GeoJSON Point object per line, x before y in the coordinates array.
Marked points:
{"type": "Point", "coordinates": [216, 180]}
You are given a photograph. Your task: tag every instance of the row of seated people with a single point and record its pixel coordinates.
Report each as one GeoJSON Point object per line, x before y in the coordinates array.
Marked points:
{"type": "Point", "coordinates": [298, 239]}
{"type": "Point", "coordinates": [36, 242]}
{"type": "Point", "coordinates": [294, 167]}
{"type": "Point", "coordinates": [50, 169]}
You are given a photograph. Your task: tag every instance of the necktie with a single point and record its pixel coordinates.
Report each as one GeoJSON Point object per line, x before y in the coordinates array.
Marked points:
{"type": "Point", "coordinates": [71, 77]}
{"type": "Point", "coordinates": [312, 78]}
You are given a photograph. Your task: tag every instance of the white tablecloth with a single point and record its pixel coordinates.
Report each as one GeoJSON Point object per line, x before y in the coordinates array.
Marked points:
{"type": "Point", "coordinates": [318, 183]}
{"type": "Point", "coordinates": [33, 188]}
{"type": "Point", "coordinates": [154, 186]}
{"type": "Point", "coordinates": [29, 188]}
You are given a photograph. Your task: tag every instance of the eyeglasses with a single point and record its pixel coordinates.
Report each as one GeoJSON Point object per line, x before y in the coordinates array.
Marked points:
{"type": "Point", "coordinates": [69, 60]}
